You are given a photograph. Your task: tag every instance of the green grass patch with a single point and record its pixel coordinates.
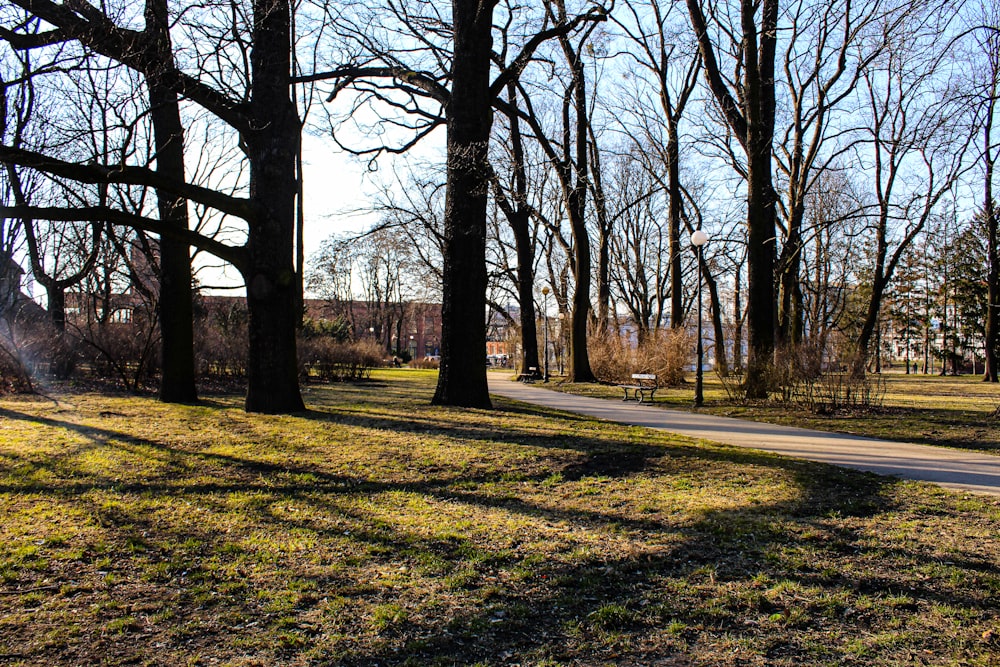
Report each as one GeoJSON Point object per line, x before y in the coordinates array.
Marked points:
{"type": "Point", "coordinates": [375, 528]}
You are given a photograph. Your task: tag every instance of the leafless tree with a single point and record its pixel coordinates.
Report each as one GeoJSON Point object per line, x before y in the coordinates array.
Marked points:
{"type": "Point", "coordinates": [249, 91]}
{"type": "Point", "coordinates": [982, 48]}
{"type": "Point", "coordinates": [828, 46]}
{"type": "Point", "coordinates": [915, 147]}
{"type": "Point", "coordinates": [668, 57]}
{"type": "Point", "coordinates": [747, 102]}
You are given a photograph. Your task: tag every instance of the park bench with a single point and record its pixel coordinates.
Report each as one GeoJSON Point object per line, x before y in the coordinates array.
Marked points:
{"type": "Point", "coordinates": [530, 376]}
{"type": "Point", "coordinates": [643, 386]}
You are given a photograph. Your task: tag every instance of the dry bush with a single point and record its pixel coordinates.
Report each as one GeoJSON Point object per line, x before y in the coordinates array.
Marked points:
{"type": "Point", "coordinates": [664, 353]}
{"type": "Point", "coordinates": [34, 349]}
{"type": "Point", "coordinates": [221, 343]}
{"type": "Point", "coordinates": [839, 391]}
{"type": "Point", "coordinates": [327, 360]}
{"type": "Point", "coordinates": [425, 363]}
{"type": "Point", "coordinates": [14, 378]}
{"type": "Point", "coordinates": [609, 357]}
{"type": "Point", "coordinates": [802, 374]}
{"type": "Point", "coordinates": [734, 384]}
{"type": "Point", "coordinates": [125, 352]}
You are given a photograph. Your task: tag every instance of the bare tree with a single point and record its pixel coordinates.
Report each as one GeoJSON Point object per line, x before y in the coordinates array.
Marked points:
{"type": "Point", "coordinates": [915, 144]}
{"type": "Point", "coordinates": [641, 261]}
{"type": "Point", "coordinates": [513, 201]}
{"type": "Point", "coordinates": [661, 51]}
{"type": "Point", "coordinates": [830, 258]}
{"type": "Point", "coordinates": [985, 95]}
{"type": "Point", "coordinates": [456, 58]}
{"type": "Point", "coordinates": [259, 108]}
{"type": "Point", "coordinates": [747, 102]}
{"type": "Point", "coordinates": [828, 48]}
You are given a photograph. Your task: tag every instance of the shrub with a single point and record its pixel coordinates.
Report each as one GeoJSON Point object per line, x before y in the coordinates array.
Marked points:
{"type": "Point", "coordinates": [125, 352]}
{"type": "Point", "coordinates": [14, 378]}
{"type": "Point", "coordinates": [327, 360]}
{"type": "Point", "coordinates": [609, 357]}
{"type": "Point", "coordinates": [221, 341]}
{"type": "Point", "coordinates": [34, 349]}
{"type": "Point", "coordinates": [801, 374]}
{"type": "Point", "coordinates": [425, 363]}
{"type": "Point", "coordinates": [664, 353]}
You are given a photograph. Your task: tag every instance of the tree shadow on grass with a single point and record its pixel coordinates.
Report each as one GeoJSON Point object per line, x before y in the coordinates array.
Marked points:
{"type": "Point", "coordinates": [674, 599]}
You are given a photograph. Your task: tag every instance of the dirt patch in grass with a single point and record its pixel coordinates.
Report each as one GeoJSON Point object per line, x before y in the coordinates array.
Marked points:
{"type": "Point", "coordinates": [377, 530]}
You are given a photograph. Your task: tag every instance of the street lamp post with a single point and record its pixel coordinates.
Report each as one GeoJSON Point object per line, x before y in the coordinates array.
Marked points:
{"type": "Point", "coordinates": [698, 240]}
{"type": "Point", "coordinates": [545, 328]}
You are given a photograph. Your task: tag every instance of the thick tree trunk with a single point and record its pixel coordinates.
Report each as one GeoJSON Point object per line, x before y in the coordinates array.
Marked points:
{"type": "Point", "coordinates": [55, 294]}
{"type": "Point", "coordinates": [576, 207]}
{"type": "Point", "coordinates": [579, 357]}
{"type": "Point", "coordinates": [750, 115]}
{"type": "Point", "coordinates": [760, 271]}
{"type": "Point", "coordinates": [175, 307]}
{"type": "Point", "coordinates": [761, 200]}
{"type": "Point", "coordinates": [272, 144]}
{"type": "Point", "coordinates": [738, 320]}
{"type": "Point", "coordinates": [462, 377]}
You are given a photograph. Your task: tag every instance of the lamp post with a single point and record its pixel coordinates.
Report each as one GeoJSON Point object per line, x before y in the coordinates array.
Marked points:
{"type": "Point", "coordinates": [545, 328]}
{"type": "Point", "coordinates": [698, 240]}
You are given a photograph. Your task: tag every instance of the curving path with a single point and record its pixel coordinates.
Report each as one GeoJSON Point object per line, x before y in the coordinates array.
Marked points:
{"type": "Point", "coordinates": [951, 468]}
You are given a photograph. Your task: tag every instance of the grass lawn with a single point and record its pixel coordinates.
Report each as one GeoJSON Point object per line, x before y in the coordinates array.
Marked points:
{"type": "Point", "coordinates": [929, 409]}
{"type": "Point", "coordinates": [377, 530]}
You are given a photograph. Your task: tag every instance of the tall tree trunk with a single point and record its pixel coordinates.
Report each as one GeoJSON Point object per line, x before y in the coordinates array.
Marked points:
{"type": "Point", "coordinates": [519, 218]}
{"type": "Point", "coordinates": [576, 207]}
{"type": "Point", "coordinates": [738, 319]}
{"type": "Point", "coordinates": [55, 294]}
{"type": "Point", "coordinates": [721, 364]}
{"type": "Point", "coordinates": [462, 378]}
{"type": "Point", "coordinates": [675, 211]}
{"type": "Point", "coordinates": [176, 312]}
{"type": "Point", "coordinates": [789, 292]}
{"type": "Point", "coordinates": [761, 199]}
{"type": "Point", "coordinates": [604, 237]}
{"type": "Point", "coordinates": [992, 335]}
{"type": "Point", "coordinates": [272, 143]}
{"type": "Point", "coordinates": [750, 115]}
{"type": "Point", "coordinates": [526, 289]}
{"type": "Point", "coordinates": [870, 323]}
{"type": "Point", "coordinates": [579, 357]}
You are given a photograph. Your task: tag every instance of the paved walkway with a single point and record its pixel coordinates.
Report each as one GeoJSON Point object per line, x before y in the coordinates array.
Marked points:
{"type": "Point", "coordinates": [951, 468]}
